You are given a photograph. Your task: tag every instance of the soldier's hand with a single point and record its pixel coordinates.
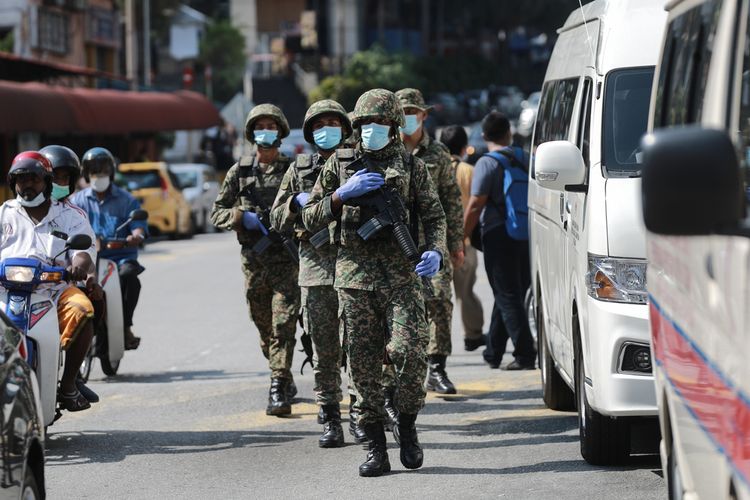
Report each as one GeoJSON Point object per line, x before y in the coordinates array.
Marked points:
{"type": "Point", "coordinates": [360, 183]}
{"type": "Point", "coordinates": [457, 258]}
{"type": "Point", "coordinates": [429, 265]}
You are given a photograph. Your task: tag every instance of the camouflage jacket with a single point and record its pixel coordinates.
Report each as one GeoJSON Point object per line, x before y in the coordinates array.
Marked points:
{"type": "Point", "coordinates": [316, 266]}
{"type": "Point", "coordinates": [438, 160]}
{"type": "Point", "coordinates": [234, 199]}
{"type": "Point", "coordinates": [378, 263]}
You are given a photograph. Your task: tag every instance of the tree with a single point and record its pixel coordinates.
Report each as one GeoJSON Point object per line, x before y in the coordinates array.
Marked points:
{"type": "Point", "coordinates": [223, 48]}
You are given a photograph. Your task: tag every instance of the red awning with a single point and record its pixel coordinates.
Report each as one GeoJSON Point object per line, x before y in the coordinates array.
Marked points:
{"type": "Point", "coordinates": [36, 107]}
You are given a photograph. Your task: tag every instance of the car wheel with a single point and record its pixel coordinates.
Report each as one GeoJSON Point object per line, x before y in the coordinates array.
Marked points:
{"type": "Point", "coordinates": [604, 440]}
{"type": "Point", "coordinates": [555, 392]}
{"type": "Point", "coordinates": [30, 490]}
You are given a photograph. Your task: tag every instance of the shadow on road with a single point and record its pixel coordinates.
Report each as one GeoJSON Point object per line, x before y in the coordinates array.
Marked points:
{"type": "Point", "coordinates": [67, 448]}
{"type": "Point", "coordinates": [180, 376]}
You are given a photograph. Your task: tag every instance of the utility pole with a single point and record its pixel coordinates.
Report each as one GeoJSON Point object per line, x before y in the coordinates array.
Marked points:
{"type": "Point", "coordinates": [131, 55]}
{"type": "Point", "coordinates": [147, 43]}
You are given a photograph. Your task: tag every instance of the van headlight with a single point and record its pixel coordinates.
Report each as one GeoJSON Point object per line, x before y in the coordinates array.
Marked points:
{"type": "Point", "coordinates": [617, 280]}
{"type": "Point", "coordinates": [19, 274]}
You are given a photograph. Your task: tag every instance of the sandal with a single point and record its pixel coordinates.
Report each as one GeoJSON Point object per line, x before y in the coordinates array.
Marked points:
{"type": "Point", "coordinates": [73, 401]}
{"type": "Point", "coordinates": [132, 343]}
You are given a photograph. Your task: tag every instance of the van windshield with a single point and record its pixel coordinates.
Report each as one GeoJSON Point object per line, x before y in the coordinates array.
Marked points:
{"type": "Point", "coordinates": [627, 98]}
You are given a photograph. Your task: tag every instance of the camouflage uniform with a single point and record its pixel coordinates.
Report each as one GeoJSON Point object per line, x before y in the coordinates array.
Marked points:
{"type": "Point", "coordinates": [271, 288]}
{"type": "Point", "coordinates": [380, 298]}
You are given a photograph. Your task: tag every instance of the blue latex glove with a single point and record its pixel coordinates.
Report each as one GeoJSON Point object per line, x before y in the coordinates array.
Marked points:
{"type": "Point", "coordinates": [251, 222]}
{"type": "Point", "coordinates": [301, 199]}
{"type": "Point", "coordinates": [360, 183]}
{"type": "Point", "coordinates": [429, 265]}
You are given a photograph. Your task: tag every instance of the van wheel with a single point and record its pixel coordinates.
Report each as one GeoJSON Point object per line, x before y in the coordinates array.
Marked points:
{"type": "Point", "coordinates": [674, 478]}
{"type": "Point", "coordinates": [30, 490]}
{"type": "Point", "coordinates": [555, 392]}
{"type": "Point", "coordinates": [604, 440]}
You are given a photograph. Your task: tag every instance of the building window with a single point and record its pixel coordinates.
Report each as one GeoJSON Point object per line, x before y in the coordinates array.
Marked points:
{"type": "Point", "coordinates": [53, 31]}
{"type": "Point", "coordinates": [103, 27]}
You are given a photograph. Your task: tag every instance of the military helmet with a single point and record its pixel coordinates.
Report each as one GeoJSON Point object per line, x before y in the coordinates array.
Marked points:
{"type": "Point", "coordinates": [64, 157]}
{"type": "Point", "coordinates": [265, 110]}
{"type": "Point", "coordinates": [378, 103]}
{"type": "Point", "coordinates": [325, 107]}
{"type": "Point", "coordinates": [412, 98]}
{"type": "Point", "coordinates": [30, 162]}
{"type": "Point", "coordinates": [97, 159]}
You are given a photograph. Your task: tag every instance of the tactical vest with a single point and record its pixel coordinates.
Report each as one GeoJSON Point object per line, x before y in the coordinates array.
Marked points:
{"type": "Point", "coordinates": [257, 191]}
{"type": "Point", "coordinates": [307, 167]}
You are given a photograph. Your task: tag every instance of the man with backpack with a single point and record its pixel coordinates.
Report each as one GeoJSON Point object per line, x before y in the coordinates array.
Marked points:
{"type": "Point", "coordinates": [499, 204]}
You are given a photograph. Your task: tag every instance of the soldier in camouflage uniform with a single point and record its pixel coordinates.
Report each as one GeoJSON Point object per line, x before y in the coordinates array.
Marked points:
{"type": "Point", "coordinates": [380, 296]}
{"type": "Point", "coordinates": [326, 127]}
{"type": "Point", "coordinates": [271, 286]}
{"type": "Point", "coordinates": [440, 306]}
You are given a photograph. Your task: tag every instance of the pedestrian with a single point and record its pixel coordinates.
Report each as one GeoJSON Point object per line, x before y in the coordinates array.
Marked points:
{"type": "Point", "coordinates": [506, 260]}
{"type": "Point", "coordinates": [271, 289]}
{"type": "Point", "coordinates": [440, 304]}
{"type": "Point", "coordinates": [326, 127]}
{"type": "Point", "coordinates": [380, 295]}
{"type": "Point", "coordinates": [464, 277]}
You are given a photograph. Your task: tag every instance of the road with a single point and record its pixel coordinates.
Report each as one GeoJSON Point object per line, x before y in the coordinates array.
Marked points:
{"type": "Point", "coordinates": [185, 418]}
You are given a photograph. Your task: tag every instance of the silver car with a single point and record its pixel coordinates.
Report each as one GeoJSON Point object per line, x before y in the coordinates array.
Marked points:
{"type": "Point", "coordinates": [200, 187]}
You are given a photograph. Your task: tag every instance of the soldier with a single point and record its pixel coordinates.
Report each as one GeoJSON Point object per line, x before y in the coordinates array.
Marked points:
{"type": "Point", "coordinates": [380, 296]}
{"type": "Point", "coordinates": [271, 286]}
{"type": "Point", "coordinates": [440, 305]}
{"type": "Point", "coordinates": [326, 127]}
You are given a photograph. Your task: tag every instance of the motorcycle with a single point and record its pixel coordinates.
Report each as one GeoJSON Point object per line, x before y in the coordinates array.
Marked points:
{"type": "Point", "coordinates": [28, 309]}
{"type": "Point", "coordinates": [109, 335]}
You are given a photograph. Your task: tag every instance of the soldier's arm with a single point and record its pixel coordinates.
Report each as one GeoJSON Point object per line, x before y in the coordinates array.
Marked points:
{"type": "Point", "coordinates": [225, 214]}
{"type": "Point", "coordinates": [430, 210]}
{"type": "Point", "coordinates": [285, 212]}
{"type": "Point", "coordinates": [320, 209]}
{"type": "Point", "coordinates": [450, 198]}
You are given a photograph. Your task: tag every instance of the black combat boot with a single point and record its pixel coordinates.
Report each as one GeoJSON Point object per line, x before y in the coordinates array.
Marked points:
{"type": "Point", "coordinates": [333, 434]}
{"type": "Point", "coordinates": [321, 416]}
{"type": "Point", "coordinates": [357, 431]}
{"type": "Point", "coordinates": [377, 461]}
{"type": "Point", "coordinates": [291, 390]}
{"type": "Point", "coordinates": [411, 452]}
{"type": "Point", "coordinates": [437, 379]}
{"type": "Point", "coordinates": [278, 403]}
{"type": "Point", "coordinates": [391, 414]}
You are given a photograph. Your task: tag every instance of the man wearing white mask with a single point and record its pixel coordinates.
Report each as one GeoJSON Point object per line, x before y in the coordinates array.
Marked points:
{"type": "Point", "coordinates": [108, 207]}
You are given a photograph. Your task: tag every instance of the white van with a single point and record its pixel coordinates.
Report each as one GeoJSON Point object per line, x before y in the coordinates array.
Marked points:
{"type": "Point", "coordinates": [695, 207]}
{"type": "Point", "coordinates": [588, 249]}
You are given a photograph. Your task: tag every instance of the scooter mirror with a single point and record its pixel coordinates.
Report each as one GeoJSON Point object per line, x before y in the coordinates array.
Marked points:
{"type": "Point", "coordinates": [138, 215]}
{"type": "Point", "coordinates": [79, 242]}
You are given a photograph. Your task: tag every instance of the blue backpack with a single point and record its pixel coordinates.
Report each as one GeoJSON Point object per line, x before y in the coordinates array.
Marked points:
{"type": "Point", "coordinates": [515, 192]}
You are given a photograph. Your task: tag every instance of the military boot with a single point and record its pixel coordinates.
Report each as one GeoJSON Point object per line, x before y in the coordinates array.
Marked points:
{"type": "Point", "coordinates": [377, 461]}
{"type": "Point", "coordinates": [321, 416]}
{"type": "Point", "coordinates": [411, 452]}
{"type": "Point", "coordinates": [391, 414]}
{"type": "Point", "coordinates": [291, 390]}
{"type": "Point", "coordinates": [278, 403]}
{"type": "Point", "coordinates": [333, 434]}
{"type": "Point", "coordinates": [356, 430]}
{"type": "Point", "coordinates": [437, 379]}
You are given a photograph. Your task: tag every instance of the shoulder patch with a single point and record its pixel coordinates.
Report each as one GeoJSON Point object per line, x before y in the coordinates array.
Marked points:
{"type": "Point", "coordinates": [303, 161]}
{"type": "Point", "coordinates": [345, 154]}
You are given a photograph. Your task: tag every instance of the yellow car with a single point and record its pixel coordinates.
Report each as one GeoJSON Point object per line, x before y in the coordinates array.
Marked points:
{"type": "Point", "coordinates": [156, 188]}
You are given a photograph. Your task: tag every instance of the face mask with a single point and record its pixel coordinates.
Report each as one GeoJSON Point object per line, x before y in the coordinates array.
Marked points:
{"type": "Point", "coordinates": [375, 136]}
{"type": "Point", "coordinates": [412, 125]}
{"type": "Point", "coordinates": [59, 192]}
{"type": "Point", "coordinates": [265, 137]}
{"type": "Point", "coordinates": [31, 203]}
{"type": "Point", "coordinates": [327, 137]}
{"type": "Point", "coordinates": [100, 184]}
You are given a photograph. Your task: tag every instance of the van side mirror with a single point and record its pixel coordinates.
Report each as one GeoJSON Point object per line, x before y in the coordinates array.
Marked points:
{"type": "Point", "coordinates": [559, 165]}
{"type": "Point", "coordinates": [691, 182]}
{"type": "Point", "coordinates": [79, 242]}
{"type": "Point", "coordinates": [139, 215]}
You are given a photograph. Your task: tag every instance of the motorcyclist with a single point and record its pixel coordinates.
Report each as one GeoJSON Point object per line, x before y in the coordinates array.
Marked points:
{"type": "Point", "coordinates": [108, 207]}
{"type": "Point", "coordinates": [34, 225]}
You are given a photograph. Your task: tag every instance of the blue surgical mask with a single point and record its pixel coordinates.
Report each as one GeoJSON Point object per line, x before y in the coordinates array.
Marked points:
{"type": "Point", "coordinates": [327, 137]}
{"type": "Point", "coordinates": [59, 192]}
{"type": "Point", "coordinates": [265, 137]}
{"type": "Point", "coordinates": [375, 136]}
{"type": "Point", "coordinates": [412, 125]}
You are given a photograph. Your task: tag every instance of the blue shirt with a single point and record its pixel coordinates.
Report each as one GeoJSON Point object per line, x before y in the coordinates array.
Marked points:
{"type": "Point", "coordinates": [107, 215]}
{"type": "Point", "coordinates": [487, 180]}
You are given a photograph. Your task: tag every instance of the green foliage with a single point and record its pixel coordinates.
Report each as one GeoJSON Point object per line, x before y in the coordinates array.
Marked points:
{"type": "Point", "coordinates": [6, 43]}
{"type": "Point", "coordinates": [223, 48]}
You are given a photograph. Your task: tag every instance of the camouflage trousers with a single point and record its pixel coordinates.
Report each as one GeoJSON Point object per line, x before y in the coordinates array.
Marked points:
{"type": "Point", "coordinates": [272, 296]}
{"type": "Point", "coordinates": [320, 316]}
{"type": "Point", "coordinates": [376, 322]}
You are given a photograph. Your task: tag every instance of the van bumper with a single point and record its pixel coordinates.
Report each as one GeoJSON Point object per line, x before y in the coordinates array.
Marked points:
{"type": "Point", "coordinates": [610, 391]}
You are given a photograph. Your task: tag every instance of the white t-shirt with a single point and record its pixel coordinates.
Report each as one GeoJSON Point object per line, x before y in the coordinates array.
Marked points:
{"type": "Point", "coordinates": [21, 237]}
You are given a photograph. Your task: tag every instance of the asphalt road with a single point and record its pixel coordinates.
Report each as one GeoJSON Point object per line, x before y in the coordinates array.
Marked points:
{"type": "Point", "coordinates": [185, 418]}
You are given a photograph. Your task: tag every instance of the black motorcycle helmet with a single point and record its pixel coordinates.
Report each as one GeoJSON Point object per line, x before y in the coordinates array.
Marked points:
{"type": "Point", "coordinates": [31, 162]}
{"type": "Point", "coordinates": [97, 160]}
{"type": "Point", "coordinates": [64, 157]}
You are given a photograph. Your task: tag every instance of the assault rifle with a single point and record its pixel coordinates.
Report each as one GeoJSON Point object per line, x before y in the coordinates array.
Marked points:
{"type": "Point", "coordinates": [273, 236]}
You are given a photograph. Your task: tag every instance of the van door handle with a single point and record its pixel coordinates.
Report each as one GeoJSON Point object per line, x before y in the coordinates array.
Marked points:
{"type": "Point", "coordinates": [562, 207]}
{"type": "Point", "coordinates": [568, 207]}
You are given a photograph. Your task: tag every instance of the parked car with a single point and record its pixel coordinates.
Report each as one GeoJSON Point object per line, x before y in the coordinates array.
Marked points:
{"type": "Point", "coordinates": [508, 99]}
{"type": "Point", "coordinates": [157, 190]}
{"type": "Point", "coordinates": [200, 188]}
{"type": "Point", "coordinates": [21, 424]}
{"type": "Point", "coordinates": [695, 178]}
{"type": "Point", "coordinates": [588, 242]}
{"type": "Point", "coordinates": [295, 144]}
{"type": "Point", "coordinates": [527, 118]}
